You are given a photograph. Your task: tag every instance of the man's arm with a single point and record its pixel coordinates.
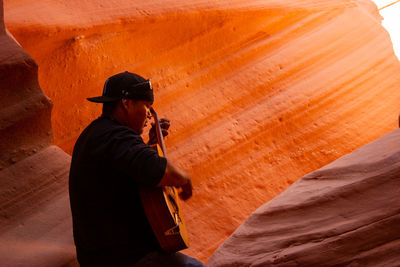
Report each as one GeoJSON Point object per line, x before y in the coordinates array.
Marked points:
{"type": "Point", "coordinates": [173, 175]}
{"type": "Point", "coordinates": [177, 177]}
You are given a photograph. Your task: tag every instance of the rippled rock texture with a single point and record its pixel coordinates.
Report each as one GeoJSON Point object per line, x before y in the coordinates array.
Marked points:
{"type": "Point", "coordinates": [344, 214]}
{"type": "Point", "coordinates": [35, 221]}
{"type": "Point", "coordinates": [259, 93]}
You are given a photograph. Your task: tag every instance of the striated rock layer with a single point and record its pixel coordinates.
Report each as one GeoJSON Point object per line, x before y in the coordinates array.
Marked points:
{"type": "Point", "coordinates": [344, 214]}
{"type": "Point", "coordinates": [24, 109]}
{"type": "Point", "coordinates": [259, 93]}
{"type": "Point", "coordinates": [35, 220]}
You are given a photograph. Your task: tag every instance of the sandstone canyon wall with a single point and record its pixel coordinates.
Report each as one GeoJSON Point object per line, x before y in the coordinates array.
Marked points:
{"type": "Point", "coordinates": [344, 214]}
{"type": "Point", "coordinates": [259, 93]}
{"type": "Point", "coordinates": [35, 224]}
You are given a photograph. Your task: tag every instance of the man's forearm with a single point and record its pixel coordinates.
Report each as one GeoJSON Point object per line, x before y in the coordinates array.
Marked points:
{"type": "Point", "coordinates": [174, 176]}
{"type": "Point", "coordinates": [177, 177]}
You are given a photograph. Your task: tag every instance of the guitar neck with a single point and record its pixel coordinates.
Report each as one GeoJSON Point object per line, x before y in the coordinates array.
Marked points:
{"type": "Point", "coordinates": [162, 208]}
{"type": "Point", "coordinates": [160, 138]}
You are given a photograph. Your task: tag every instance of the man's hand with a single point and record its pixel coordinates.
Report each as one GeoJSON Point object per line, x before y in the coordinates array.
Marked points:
{"type": "Point", "coordinates": [164, 124]}
{"type": "Point", "coordinates": [179, 178]}
{"type": "Point", "coordinates": [186, 190]}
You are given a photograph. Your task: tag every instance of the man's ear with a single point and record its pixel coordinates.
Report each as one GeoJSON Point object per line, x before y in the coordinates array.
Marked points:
{"type": "Point", "coordinates": [125, 104]}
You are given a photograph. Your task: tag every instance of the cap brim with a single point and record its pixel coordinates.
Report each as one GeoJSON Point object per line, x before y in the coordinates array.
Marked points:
{"type": "Point", "coordinates": [103, 99]}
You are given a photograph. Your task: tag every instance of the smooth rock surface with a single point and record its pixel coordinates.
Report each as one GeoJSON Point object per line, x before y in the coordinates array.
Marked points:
{"type": "Point", "coordinates": [24, 110]}
{"type": "Point", "coordinates": [35, 218]}
{"type": "Point", "coordinates": [344, 214]}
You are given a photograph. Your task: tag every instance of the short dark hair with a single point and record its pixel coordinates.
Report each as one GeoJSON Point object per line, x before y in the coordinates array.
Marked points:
{"type": "Point", "coordinates": [109, 107]}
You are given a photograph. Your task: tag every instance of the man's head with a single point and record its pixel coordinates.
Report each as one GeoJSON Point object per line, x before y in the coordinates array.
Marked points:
{"type": "Point", "coordinates": [125, 85]}
{"type": "Point", "coordinates": [127, 97]}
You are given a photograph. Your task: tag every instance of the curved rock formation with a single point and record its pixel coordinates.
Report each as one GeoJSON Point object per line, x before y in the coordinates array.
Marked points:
{"type": "Point", "coordinates": [25, 110]}
{"type": "Point", "coordinates": [259, 93]}
{"type": "Point", "coordinates": [35, 220]}
{"type": "Point", "coordinates": [344, 214]}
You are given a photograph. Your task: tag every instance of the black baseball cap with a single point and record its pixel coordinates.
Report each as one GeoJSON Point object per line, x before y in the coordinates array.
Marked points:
{"type": "Point", "coordinates": [125, 85]}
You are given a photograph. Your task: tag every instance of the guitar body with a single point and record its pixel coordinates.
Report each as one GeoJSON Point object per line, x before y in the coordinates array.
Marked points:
{"type": "Point", "coordinates": [163, 213]}
{"type": "Point", "coordinates": [162, 209]}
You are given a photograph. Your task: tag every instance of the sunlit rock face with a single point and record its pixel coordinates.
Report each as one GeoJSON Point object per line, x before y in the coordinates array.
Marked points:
{"type": "Point", "coordinates": [344, 214]}
{"type": "Point", "coordinates": [259, 93]}
{"type": "Point", "coordinates": [35, 221]}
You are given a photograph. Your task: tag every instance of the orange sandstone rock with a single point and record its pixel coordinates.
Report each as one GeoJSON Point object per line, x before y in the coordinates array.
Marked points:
{"type": "Point", "coordinates": [344, 214]}
{"type": "Point", "coordinates": [259, 93]}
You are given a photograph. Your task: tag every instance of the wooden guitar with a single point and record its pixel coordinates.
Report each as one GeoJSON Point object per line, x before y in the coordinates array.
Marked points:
{"type": "Point", "coordinates": [162, 207]}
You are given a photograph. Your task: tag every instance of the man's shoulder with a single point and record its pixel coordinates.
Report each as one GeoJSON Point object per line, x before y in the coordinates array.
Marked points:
{"type": "Point", "coordinates": [107, 127]}
{"type": "Point", "coordinates": [104, 131]}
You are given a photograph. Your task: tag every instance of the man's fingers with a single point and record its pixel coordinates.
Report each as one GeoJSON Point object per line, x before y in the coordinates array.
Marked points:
{"type": "Point", "coordinates": [187, 191]}
{"type": "Point", "coordinates": [164, 123]}
{"type": "Point", "coordinates": [164, 133]}
{"type": "Point", "coordinates": [164, 120]}
{"type": "Point", "coordinates": [184, 196]}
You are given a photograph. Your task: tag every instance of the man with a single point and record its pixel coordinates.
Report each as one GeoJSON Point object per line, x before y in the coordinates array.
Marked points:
{"type": "Point", "coordinates": [110, 162]}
